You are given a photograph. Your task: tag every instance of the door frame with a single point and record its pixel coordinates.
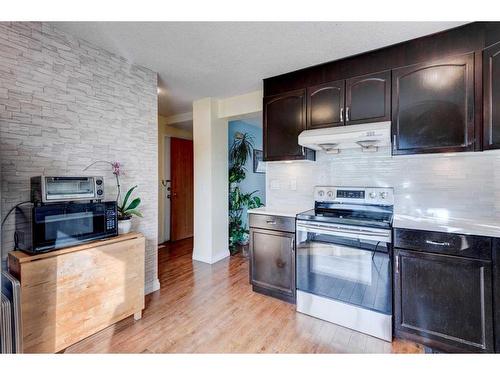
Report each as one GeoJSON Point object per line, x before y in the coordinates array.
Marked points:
{"type": "Point", "coordinates": [166, 201]}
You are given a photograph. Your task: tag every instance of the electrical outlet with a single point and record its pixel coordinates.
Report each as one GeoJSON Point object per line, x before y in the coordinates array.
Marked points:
{"type": "Point", "coordinates": [275, 184]}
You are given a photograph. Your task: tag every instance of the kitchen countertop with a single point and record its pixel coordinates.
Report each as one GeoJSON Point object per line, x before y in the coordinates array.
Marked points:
{"type": "Point", "coordinates": [479, 227]}
{"type": "Point", "coordinates": [278, 211]}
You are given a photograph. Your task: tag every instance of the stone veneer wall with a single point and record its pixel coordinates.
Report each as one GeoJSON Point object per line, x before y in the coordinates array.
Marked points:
{"type": "Point", "coordinates": [65, 103]}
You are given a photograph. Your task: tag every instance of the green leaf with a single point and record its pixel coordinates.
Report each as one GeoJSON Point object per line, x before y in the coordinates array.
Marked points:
{"type": "Point", "coordinates": [133, 212]}
{"type": "Point", "coordinates": [134, 204]}
{"type": "Point", "coordinates": [127, 196]}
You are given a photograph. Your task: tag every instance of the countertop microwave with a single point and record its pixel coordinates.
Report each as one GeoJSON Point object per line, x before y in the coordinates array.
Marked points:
{"type": "Point", "coordinates": [42, 228]}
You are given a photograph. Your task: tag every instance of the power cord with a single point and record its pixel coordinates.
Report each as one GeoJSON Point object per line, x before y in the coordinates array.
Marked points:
{"type": "Point", "coordinates": [10, 211]}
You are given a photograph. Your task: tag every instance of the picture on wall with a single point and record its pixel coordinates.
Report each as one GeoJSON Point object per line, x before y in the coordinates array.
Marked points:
{"type": "Point", "coordinates": [259, 166]}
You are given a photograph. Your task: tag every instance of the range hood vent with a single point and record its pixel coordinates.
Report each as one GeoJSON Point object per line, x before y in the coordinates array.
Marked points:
{"type": "Point", "coordinates": [366, 137]}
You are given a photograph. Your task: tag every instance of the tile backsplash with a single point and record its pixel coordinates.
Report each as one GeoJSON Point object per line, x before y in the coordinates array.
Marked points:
{"type": "Point", "coordinates": [459, 185]}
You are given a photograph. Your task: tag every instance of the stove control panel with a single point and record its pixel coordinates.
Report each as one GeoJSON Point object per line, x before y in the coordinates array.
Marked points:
{"type": "Point", "coordinates": [361, 195]}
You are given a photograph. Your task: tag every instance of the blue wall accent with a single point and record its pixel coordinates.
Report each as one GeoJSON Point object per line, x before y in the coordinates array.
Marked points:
{"type": "Point", "coordinates": [253, 181]}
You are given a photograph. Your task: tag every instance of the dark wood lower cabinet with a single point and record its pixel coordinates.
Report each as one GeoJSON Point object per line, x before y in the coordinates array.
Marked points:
{"type": "Point", "coordinates": [443, 301]}
{"type": "Point", "coordinates": [496, 291]}
{"type": "Point", "coordinates": [272, 262]}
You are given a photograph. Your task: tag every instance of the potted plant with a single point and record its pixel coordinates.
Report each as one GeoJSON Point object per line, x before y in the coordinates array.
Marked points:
{"type": "Point", "coordinates": [126, 210]}
{"type": "Point", "coordinates": [240, 150]}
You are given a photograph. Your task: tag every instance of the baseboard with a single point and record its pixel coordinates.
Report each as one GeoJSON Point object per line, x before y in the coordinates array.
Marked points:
{"type": "Point", "coordinates": [220, 256]}
{"type": "Point", "coordinates": [152, 287]}
{"type": "Point", "coordinates": [213, 259]}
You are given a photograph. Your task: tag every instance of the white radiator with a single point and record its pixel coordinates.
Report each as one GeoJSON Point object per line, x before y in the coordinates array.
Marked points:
{"type": "Point", "coordinates": [10, 322]}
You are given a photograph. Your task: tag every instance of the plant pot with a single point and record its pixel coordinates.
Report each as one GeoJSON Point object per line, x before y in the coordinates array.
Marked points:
{"type": "Point", "coordinates": [245, 249]}
{"type": "Point", "coordinates": [124, 226]}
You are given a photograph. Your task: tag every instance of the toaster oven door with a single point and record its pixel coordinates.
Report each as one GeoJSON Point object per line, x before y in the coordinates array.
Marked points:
{"type": "Point", "coordinates": [57, 189]}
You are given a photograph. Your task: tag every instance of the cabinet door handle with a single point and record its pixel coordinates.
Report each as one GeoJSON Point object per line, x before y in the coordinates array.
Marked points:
{"type": "Point", "coordinates": [397, 263]}
{"type": "Point", "coordinates": [292, 244]}
{"type": "Point", "coordinates": [342, 114]}
{"type": "Point", "coordinates": [430, 242]}
{"type": "Point", "coordinates": [346, 114]}
{"type": "Point", "coordinates": [394, 142]}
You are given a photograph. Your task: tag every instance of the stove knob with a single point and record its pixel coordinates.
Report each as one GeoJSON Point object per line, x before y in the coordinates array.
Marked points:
{"type": "Point", "coordinates": [329, 194]}
{"type": "Point", "coordinates": [383, 194]}
{"type": "Point", "coordinates": [373, 195]}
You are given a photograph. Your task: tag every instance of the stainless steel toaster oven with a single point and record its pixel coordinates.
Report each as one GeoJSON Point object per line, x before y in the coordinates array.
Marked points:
{"type": "Point", "coordinates": [52, 189]}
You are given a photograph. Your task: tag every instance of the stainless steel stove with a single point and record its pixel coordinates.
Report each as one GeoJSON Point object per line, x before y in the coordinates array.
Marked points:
{"type": "Point", "coordinates": [344, 268]}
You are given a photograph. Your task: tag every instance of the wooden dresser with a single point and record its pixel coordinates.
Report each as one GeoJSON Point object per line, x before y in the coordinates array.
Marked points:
{"type": "Point", "coordinates": [72, 293]}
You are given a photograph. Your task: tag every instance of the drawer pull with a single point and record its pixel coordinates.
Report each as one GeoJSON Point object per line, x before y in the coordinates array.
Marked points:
{"type": "Point", "coordinates": [272, 222]}
{"type": "Point", "coordinates": [430, 242]}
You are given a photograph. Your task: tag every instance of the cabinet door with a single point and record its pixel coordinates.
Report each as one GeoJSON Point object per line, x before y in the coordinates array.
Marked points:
{"type": "Point", "coordinates": [496, 291]}
{"type": "Point", "coordinates": [433, 107]}
{"type": "Point", "coordinates": [284, 120]}
{"type": "Point", "coordinates": [368, 98]}
{"type": "Point", "coordinates": [444, 301]}
{"type": "Point", "coordinates": [273, 261]}
{"type": "Point", "coordinates": [491, 97]}
{"type": "Point", "coordinates": [325, 105]}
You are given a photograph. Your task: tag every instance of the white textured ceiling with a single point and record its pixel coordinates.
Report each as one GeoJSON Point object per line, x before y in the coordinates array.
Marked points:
{"type": "Point", "coordinates": [221, 59]}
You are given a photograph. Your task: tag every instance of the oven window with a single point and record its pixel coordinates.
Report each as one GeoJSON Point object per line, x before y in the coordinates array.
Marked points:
{"type": "Point", "coordinates": [353, 271]}
{"type": "Point", "coordinates": [69, 187]}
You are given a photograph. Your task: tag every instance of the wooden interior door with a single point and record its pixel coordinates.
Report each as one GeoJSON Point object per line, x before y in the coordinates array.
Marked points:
{"type": "Point", "coordinates": [181, 195]}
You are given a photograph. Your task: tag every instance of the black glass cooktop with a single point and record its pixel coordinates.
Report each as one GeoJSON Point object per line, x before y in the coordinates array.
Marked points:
{"type": "Point", "coordinates": [350, 214]}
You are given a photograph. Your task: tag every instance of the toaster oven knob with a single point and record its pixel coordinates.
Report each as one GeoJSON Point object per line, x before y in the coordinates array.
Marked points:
{"type": "Point", "coordinates": [383, 194]}
{"type": "Point", "coordinates": [99, 192]}
{"type": "Point", "coordinates": [321, 193]}
{"type": "Point", "coordinates": [373, 195]}
{"type": "Point", "coordinates": [98, 182]}
{"type": "Point", "coordinates": [330, 194]}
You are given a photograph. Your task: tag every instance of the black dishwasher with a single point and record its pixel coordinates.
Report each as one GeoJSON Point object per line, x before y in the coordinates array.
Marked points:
{"type": "Point", "coordinates": [443, 294]}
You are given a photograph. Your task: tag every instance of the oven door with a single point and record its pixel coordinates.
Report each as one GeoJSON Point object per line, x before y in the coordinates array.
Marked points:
{"type": "Point", "coordinates": [60, 225]}
{"type": "Point", "coordinates": [345, 263]}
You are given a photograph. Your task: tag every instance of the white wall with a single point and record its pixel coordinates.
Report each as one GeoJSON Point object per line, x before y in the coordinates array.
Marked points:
{"type": "Point", "coordinates": [210, 137]}
{"type": "Point", "coordinates": [210, 182]}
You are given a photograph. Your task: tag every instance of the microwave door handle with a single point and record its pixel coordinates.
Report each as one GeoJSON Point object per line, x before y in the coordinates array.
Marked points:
{"type": "Point", "coordinates": [336, 230]}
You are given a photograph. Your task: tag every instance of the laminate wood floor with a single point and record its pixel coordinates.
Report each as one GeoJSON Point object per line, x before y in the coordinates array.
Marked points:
{"type": "Point", "coordinates": [203, 308]}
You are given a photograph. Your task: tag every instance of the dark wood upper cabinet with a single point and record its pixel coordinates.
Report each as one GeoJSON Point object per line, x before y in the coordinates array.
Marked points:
{"type": "Point", "coordinates": [284, 120]}
{"type": "Point", "coordinates": [433, 106]}
{"type": "Point", "coordinates": [368, 98]}
{"type": "Point", "coordinates": [443, 301]}
{"type": "Point", "coordinates": [325, 105]}
{"type": "Point", "coordinates": [491, 96]}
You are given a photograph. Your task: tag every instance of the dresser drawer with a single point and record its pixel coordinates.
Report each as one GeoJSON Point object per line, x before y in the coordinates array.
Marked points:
{"type": "Point", "coordinates": [462, 245]}
{"type": "Point", "coordinates": [272, 222]}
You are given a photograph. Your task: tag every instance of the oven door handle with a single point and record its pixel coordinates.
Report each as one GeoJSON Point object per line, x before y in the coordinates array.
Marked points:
{"type": "Point", "coordinates": [338, 230]}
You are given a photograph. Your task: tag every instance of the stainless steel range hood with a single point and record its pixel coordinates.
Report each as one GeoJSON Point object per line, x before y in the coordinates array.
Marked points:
{"type": "Point", "coordinates": [365, 137]}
